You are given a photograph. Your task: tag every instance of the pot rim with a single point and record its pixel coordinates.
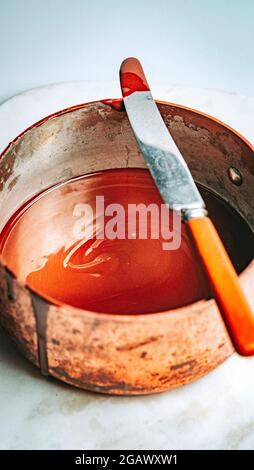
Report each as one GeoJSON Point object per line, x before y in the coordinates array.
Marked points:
{"type": "Point", "coordinates": [198, 305]}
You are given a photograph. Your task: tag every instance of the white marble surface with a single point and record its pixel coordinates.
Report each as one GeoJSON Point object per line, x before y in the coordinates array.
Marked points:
{"type": "Point", "coordinates": [216, 412]}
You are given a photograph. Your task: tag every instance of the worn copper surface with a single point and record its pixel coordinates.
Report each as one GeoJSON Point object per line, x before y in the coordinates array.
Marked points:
{"type": "Point", "coordinates": [119, 354]}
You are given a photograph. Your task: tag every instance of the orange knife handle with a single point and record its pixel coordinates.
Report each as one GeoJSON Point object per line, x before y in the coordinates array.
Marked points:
{"type": "Point", "coordinates": [233, 305]}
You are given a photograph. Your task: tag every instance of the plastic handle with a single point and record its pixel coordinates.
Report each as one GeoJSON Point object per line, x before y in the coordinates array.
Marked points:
{"type": "Point", "coordinates": [233, 305]}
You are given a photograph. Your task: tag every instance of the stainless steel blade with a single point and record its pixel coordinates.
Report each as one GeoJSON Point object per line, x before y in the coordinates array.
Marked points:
{"type": "Point", "coordinates": [163, 158]}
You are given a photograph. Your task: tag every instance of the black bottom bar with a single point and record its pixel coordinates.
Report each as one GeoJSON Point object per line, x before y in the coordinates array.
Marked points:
{"type": "Point", "coordinates": [120, 459]}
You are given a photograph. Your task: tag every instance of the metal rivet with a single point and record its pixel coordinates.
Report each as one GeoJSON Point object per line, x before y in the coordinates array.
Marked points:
{"type": "Point", "coordinates": [235, 176]}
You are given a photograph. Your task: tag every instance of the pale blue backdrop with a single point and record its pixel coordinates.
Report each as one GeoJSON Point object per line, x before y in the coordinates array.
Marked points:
{"type": "Point", "coordinates": [207, 43]}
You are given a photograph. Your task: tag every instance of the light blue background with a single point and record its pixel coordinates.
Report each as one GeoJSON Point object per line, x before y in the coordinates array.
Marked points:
{"type": "Point", "coordinates": [207, 43]}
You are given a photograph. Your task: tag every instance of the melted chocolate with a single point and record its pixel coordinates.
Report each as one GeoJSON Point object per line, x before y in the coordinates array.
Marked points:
{"type": "Point", "coordinates": [127, 276]}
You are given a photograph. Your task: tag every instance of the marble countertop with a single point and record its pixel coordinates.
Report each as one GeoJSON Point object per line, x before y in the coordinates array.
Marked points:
{"type": "Point", "coordinates": [215, 412]}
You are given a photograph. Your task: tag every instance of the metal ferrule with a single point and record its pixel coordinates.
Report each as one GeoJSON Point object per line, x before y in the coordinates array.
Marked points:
{"type": "Point", "coordinates": [188, 214]}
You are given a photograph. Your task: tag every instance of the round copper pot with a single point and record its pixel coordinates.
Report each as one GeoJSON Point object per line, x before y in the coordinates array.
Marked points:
{"type": "Point", "coordinates": [119, 354]}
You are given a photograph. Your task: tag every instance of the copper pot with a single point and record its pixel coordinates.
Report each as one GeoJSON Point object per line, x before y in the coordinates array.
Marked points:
{"type": "Point", "coordinates": [119, 354]}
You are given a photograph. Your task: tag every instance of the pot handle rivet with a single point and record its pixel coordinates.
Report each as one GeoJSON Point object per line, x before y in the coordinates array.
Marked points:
{"type": "Point", "coordinates": [235, 176]}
